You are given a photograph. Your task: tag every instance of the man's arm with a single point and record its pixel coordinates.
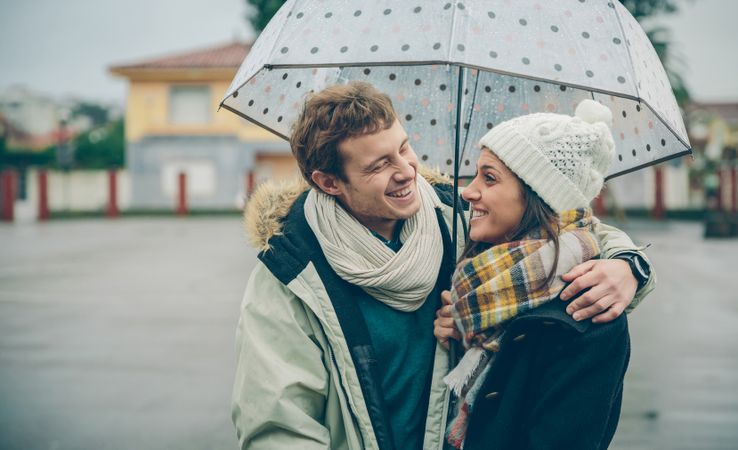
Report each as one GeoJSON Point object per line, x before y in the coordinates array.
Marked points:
{"type": "Point", "coordinates": [613, 288]}
{"type": "Point", "coordinates": [616, 242]}
{"type": "Point", "coordinates": [281, 381]}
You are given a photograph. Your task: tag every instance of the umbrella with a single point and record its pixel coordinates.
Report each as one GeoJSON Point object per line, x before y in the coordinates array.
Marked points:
{"type": "Point", "coordinates": [501, 58]}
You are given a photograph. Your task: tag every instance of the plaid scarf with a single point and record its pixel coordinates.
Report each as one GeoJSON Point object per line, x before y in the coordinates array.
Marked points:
{"type": "Point", "coordinates": [500, 283]}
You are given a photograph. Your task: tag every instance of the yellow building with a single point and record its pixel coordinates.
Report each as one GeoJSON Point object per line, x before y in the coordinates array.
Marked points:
{"type": "Point", "coordinates": [173, 126]}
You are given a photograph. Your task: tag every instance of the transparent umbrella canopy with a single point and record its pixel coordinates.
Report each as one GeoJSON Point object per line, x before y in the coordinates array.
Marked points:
{"type": "Point", "coordinates": [473, 63]}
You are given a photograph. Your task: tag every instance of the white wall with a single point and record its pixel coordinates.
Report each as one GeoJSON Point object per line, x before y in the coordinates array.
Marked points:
{"type": "Point", "coordinates": [633, 190]}
{"type": "Point", "coordinates": [676, 187]}
{"type": "Point", "coordinates": [78, 191]}
{"type": "Point", "coordinates": [87, 191]}
{"type": "Point", "coordinates": [637, 190]}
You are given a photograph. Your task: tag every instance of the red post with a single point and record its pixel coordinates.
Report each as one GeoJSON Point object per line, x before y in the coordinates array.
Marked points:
{"type": "Point", "coordinates": [7, 188]}
{"type": "Point", "coordinates": [112, 209]}
{"type": "Point", "coordinates": [43, 195]}
{"type": "Point", "coordinates": [734, 188]}
{"type": "Point", "coordinates": [182, 194]}
{"type": "Point", "coordinates": [719, 190]}
{"type": "Point", "coordinates": [250, 181]}
{"type": "Point", "coordinates": [658, 205]}
{"type": "Point", "coordinates": [725, 185]}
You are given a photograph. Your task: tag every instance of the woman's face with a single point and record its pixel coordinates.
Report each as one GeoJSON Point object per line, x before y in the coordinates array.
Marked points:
{"type": "Point", "coordinates": [496, 198]}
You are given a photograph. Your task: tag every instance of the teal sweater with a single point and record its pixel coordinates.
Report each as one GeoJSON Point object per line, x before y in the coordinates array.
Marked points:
{"type": "Point", "coordinates": [404, 346]}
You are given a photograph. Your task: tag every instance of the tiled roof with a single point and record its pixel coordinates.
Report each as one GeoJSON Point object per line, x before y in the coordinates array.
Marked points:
{"type": "Point", "coordinates": [230, 55]}
{"type": "Point", "coordinates": [728, 111]}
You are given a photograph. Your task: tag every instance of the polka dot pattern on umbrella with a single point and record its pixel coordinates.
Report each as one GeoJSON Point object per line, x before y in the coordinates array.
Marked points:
{"type": "Point", "coordinates": [511, 37]}
{"type": "Point", "coordinates": [552, 55]}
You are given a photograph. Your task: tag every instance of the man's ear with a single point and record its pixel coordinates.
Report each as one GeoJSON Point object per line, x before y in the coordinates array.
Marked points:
{"type": "Point", "coordinates": [326, 182]}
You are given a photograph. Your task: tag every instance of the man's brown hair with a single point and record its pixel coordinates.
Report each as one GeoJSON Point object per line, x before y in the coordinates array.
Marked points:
{"type": "Point", "coordinates": [333, 115]}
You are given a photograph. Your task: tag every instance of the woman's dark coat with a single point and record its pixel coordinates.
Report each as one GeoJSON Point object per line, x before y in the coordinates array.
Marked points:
{"type": "Point", "coordinates": [555, 384]}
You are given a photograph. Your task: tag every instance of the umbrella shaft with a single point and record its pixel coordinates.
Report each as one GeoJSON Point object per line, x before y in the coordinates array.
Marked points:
{"type": "Point", "coordinates": [457, 150]}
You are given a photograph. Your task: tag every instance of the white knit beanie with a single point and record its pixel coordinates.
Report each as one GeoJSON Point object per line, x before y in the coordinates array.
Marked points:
{"type": "Point", "coordinates": [563, 159]}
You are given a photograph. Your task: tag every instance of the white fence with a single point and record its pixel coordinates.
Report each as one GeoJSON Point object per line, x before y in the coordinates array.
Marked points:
{"type": "Point", "coordinates": [77, 191]}
{"type": "Point", "coordinates": [637, 190]}
{"type": "Point", "coordinates": [88, 191]}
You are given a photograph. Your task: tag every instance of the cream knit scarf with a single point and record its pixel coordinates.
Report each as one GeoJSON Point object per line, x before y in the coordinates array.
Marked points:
{"type": "Point", "coordinates": [401, 280]}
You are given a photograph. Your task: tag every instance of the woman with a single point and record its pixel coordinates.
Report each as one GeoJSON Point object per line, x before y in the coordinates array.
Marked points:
{"type": "Point", "coordinates": [532, 377]}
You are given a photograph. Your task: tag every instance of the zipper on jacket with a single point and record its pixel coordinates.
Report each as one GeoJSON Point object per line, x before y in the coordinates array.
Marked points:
{"type": "Point", "coordinates": [346, 390]}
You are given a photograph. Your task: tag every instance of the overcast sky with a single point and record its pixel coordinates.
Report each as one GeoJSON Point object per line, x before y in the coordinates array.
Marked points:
{"type": "Point", "coordinates": [63, 47]}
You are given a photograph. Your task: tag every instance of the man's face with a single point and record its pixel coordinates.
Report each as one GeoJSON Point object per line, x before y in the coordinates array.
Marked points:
{"type": "Point", "coordinates": [380, 172]}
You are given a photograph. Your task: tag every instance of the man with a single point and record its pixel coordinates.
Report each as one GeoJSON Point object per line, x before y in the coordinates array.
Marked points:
{"type": "Point", "coordinates": [335, 342]}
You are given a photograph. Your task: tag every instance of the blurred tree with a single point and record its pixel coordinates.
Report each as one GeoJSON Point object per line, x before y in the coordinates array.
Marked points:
{"type": "Point", "coordinates": [646, 8]}
{"type": "Point", "coordinates": [102, 147]}
{"type": "Point", "coordinates": [97, 114]}
{"type": "Point", "coordinates": [21, 158]}
{"type": "Point", "coordinates": [263, 10]}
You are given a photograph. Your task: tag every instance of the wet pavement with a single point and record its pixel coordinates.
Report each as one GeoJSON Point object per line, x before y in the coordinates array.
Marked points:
{"type": "Point", "coordinates": [119, 335]}
{"type": "Point", "coordinates": [681, 388]}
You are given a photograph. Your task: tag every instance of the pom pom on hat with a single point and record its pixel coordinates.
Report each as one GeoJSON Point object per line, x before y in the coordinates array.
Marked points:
{"type": "Point", "coordinates": [591, 111]}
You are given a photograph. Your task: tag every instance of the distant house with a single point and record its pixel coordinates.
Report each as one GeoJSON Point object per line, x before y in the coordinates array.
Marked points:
{"type": "Point", "coordinates": [172, 126]}
{"type": "Point", "coordinates": [9, 133]}
{"type": "Point", "coordinates": [714, 128]}
{"type": "Point", "coordinates": [32, 119]}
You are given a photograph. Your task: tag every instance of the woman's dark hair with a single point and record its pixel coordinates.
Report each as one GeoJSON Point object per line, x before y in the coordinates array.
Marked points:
{"type": "Point", "coordinates": [537, 215]}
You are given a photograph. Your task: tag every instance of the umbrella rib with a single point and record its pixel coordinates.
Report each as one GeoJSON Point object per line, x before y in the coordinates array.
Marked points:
{"type": "Point", "coordinates": [649, 163]}
{"type": "Point", "coordinates": [631, 169]}
{"type": "Point", "coordinates": [663, 122]}
{"type": "Point", "coordinates": [453, 32]}
{"type": "Point", "coordinates": [279, 35]}
{"type": "Point", "coordinates": [222, 102]}
{"type": "Point", "coordinates": [457, 150]}
{"type": "Point", "coordinates": [469, 117]}
{"type": "Point", "coordinates": [627, 50]}
{"type": "Point", "coordinates": [470, 66]}
{"type": "Point", "coordinates": [499, 72]}
{"type": "Point", "coordinates": [270, 67]}
{"type": "Point", "coordinates": [359, 64]}
{"type": "Point", "coordinates": [591, 90]}
{"type": "Point", "coordinates": [447, 63]}
{"type": "Point", "coordinates": [254, 121]}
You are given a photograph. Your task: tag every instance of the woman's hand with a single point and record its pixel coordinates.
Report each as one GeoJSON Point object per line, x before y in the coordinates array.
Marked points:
{"type": "Point", "coordinates": [444, 326]}
{"type": "Point", "coordinates": [611, 285]}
